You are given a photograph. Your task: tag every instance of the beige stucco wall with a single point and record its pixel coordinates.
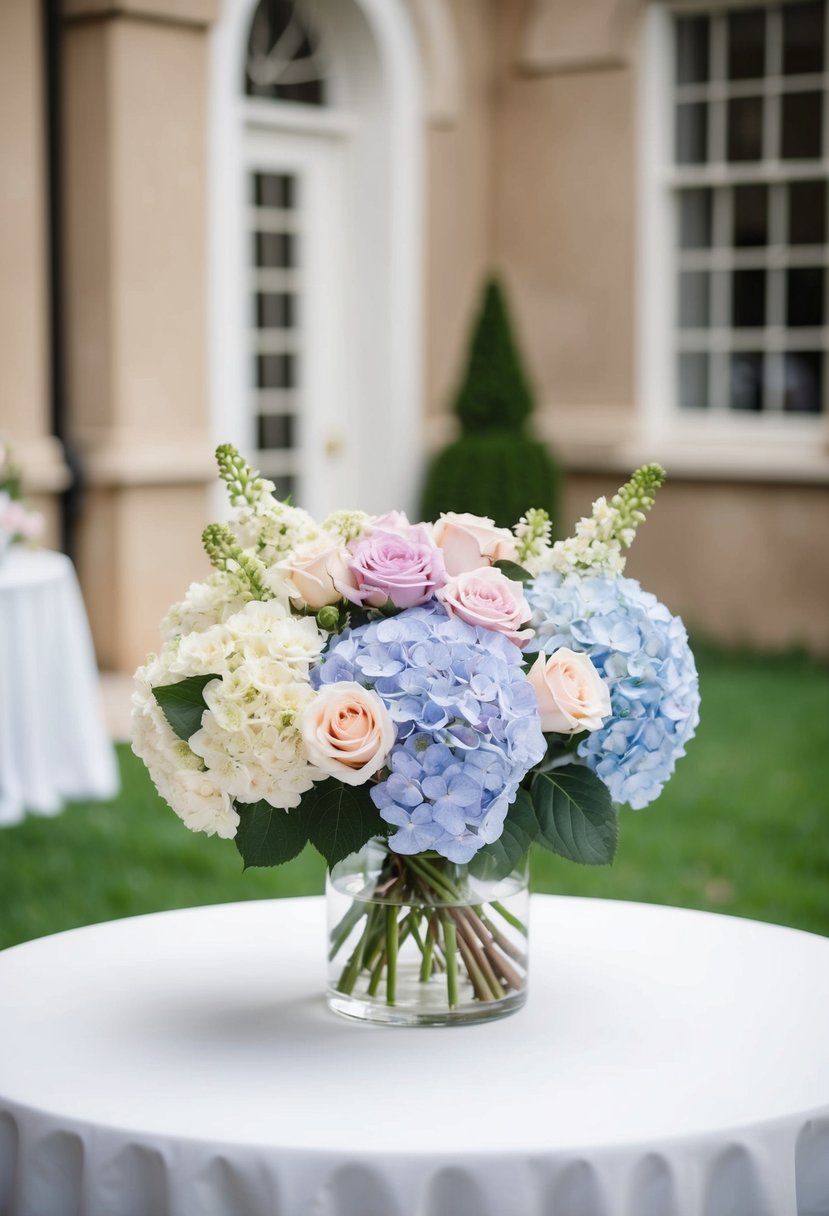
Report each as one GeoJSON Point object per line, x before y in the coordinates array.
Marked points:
{"type": "Point", "coordinates": [459, 210]}
{"type": "Point", "coordinates": [24, 366]}
{"type": "Point", "coordinates": [135, 115]}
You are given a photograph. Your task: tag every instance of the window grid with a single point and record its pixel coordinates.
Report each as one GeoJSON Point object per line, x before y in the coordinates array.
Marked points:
{"type": "Point", "coordinates": [746, 314]}
{"type": "Point", "coordinates": [274, 223]}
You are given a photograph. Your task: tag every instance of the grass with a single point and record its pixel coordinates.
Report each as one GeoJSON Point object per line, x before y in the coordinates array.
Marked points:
{"type": "Point", "coordinates": [743, 828]}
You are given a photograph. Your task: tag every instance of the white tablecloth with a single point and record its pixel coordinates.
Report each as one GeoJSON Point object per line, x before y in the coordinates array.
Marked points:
{"type": "Point", "coordinates": [667, 1063]}
{"type": "Point", "coordinates": [53, 746]}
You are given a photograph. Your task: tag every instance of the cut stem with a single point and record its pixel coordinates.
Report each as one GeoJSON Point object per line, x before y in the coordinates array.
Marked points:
{"type": "Point", "coordinates": [450, 939]}
{"type": "Point", "coordinates": [392, 941]}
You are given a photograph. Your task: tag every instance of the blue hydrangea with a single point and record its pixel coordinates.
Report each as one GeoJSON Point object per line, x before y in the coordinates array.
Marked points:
{"type": "Point", "coordinates": [466, 719]}
{"type": "Point", "coordinates": [642, 653]}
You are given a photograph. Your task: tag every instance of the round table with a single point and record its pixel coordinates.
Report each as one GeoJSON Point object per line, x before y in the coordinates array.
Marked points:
{"type": "Point", "coordinates": [667, 1063]}
{"type": "Point", "coordinates": [53, 745]}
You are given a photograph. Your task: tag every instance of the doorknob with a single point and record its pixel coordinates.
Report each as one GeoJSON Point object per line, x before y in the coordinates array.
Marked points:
{"type": "Point", "coordinates": [333, 445]}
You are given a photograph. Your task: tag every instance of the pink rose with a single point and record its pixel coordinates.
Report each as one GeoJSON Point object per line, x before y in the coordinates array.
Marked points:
{"type": "Point", "coordinates": [488, 598]}
{"type": "Point", "coordinates": [388, 566]}
{"type": "Point", "coordinates": [471, 541]}
{"type": "Point", "coordinates": [347, 732]}
{"type": "Point", "coordinates": [571, 694]}
{"type": "Point", "coordinates": [317, 571]}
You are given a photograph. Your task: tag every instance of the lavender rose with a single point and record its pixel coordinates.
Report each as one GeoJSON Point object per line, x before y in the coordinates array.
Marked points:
{"type": "Point", "coordinates": [388, 566]}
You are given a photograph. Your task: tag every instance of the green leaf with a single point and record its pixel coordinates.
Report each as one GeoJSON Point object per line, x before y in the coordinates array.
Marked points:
{"type": "Point", "coordinates": [513, 570]}
{"type": "Point", "coordinates": [576, 818]}
{"type": "Point", "coordinates": [500, 858]}
{"type": "Point", "coordinates": [267, 835]}
{"type": "Point", "coordinates": [340, 818]}
{"type": "Point", "coordinates": [183, 703]}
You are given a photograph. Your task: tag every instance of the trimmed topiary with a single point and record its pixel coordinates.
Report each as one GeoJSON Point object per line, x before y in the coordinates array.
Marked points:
{"type": "Point", "coordinates": [495, 468]}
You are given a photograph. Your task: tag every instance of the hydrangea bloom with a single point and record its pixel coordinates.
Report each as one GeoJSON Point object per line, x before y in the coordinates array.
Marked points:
{"type": "Point", "coordinates": [466, 722]}
{"type": "Point", "coordinates": [642, 653]}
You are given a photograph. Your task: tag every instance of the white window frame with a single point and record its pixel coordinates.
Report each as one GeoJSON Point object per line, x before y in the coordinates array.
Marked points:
{"type": "Point", "coordinates": [379, 117]}
{"type": "Point", "coordinates": [765, 442]}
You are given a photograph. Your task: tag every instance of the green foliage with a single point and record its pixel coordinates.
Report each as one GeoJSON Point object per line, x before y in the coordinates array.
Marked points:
{"type": "Point", "coordinates": [520, 830]}
{"type": "Point", "coordinates": [576, 818]}
{"type": "Point", "coordinates": [495, 469]}
{"type": "Point", "coordinates": [183, 704]}
{"type": "Point", "coordinates": [497, 474]}
{"type": "Point", "coordinates": [495, 393]}
{"type": "Point", "coordinates": [337, 819]}
{"type": "Point", "coordinates": [267, 836]}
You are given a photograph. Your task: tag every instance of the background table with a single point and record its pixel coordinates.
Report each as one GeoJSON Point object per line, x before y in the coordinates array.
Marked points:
{"type": "Point", "coordinates": [53, 746]}
{"type": "Point", "coordinates": [667, 1062]}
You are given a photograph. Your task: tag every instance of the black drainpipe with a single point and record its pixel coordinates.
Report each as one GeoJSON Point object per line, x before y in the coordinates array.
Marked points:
{"type": "Point", "coordinates": [70, 499]}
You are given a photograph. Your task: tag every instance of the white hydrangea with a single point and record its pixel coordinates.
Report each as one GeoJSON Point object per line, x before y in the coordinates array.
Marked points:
{"type": "Point", "coordinates": [248, 747]}
{"type": "Point", "coordinates": [195, 794]}
{"type": "Point", "coordinates": [206, 604]}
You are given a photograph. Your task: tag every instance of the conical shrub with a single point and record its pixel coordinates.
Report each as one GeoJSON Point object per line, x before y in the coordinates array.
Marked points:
{"type": "Point", "coordinates": [495, 468]}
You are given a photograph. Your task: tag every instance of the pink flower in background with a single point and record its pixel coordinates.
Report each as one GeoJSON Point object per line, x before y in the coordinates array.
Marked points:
{"type": "Point", "coordinates": [471, 541]}
{"type": "Point", "coordinates": [488, 598]}
{"type": "Point", "coordinates": [389, 566]}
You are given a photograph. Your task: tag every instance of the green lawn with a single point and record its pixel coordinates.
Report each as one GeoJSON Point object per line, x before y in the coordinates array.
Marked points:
{"type": "Point", "coordinates": [743, 828]}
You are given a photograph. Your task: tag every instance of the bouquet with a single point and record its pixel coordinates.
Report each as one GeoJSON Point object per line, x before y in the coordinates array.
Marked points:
{"type": "Point", "coordinates": [17, 522]}
{"type": "Point", "coordinates": [451, 691]}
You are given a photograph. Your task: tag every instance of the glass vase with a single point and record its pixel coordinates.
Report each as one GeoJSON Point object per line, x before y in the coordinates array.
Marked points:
{"type": "Point", "coordinates": [419, 941]}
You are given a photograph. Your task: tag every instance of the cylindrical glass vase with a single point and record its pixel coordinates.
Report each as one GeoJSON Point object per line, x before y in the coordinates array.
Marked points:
{"type": "Point", "coordinates": [419, 941]}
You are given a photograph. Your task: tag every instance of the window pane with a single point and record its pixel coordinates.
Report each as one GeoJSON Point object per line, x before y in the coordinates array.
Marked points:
{"type": "Point", "coordinates": [693, 299]}
{"type": "Point", "coordinates": [275, 310]}
{"type": "Point", "coordinates": [802, 121]}
{"type": "Point", "coordinates": [750, 215]}
{"type": "Point", "coordinates": [802, 38]}
{"type": "Point", "coordinates": [804, 295]}
{"type": "Point", "coordinates": [693, 381]}
{"type": "Point", "coordinates": [273, 190]}
{"type": "Point", "coordinates": [283, 486]}
{"type": "Point", "coordinates": [746, 44]}
{"type": "Point", "coordinates": [746, 381]}
{"type": "Point", "coordinates": [691, 49]}
{"type": "Point", "coordinates": [807, 213]}
{"type": "Point", "coordinates": [695, 219]}
{"type": "Point", "coordinates": [275, 432]}
{"type": "Point", "coordinates": [803, 393]}
{"type": "Point", "coordinates": [748, 298]}
{"type": "Point", "coordinates": [275, 250]}
{"type": "Point", "coordinates": [276, 371]}
{"type": "Point", "coordinates": [745, 128]}
{"type": "Point", "coordinates": [691, 133]}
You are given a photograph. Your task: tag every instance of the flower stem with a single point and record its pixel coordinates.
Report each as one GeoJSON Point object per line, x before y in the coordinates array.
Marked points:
{"type": "Point", "coordinates": [392, 935]}
{"type": "Point", "coordinates": [451, 945]}
{"type": "Point", "coordinates": [509, 918]}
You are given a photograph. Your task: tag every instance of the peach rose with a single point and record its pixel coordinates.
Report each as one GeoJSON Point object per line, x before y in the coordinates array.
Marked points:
{"type": "Point", "coordinates": [571, 694]}
{"type": "Point", "coordinates": [471, 541]}
{"type": "Point", "coordinates": [488, 598]}
{"type": "Point", "coordinates": [314, 571]}
{"type": "Point", "coordinates": [347, 732]}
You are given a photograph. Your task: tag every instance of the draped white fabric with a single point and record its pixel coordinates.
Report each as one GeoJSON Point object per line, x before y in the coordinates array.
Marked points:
{"type": "Point", "coordinates": [53, 746]}
{"type": "Point", "coordinates": [667, 1063]}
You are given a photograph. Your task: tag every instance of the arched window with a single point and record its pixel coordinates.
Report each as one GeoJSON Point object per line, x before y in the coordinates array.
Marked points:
{"type": "Point", "coordinates": [316, 247]}
{"type": "Point", "coordinates": [284, 61]}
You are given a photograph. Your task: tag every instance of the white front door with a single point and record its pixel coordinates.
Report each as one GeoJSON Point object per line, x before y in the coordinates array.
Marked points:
{"type": "Point", "coordinates": [297, 314]}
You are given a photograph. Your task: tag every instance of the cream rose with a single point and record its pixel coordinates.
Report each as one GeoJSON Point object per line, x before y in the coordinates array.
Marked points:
{"type": "Point", "coordinates": [315, 569]}
{"type": "Point", "coordinates": [571, 694]}
{"type": "Point", "coordinates": [471, 541]}
{"type": "Point", "coordinates": [347, 732]}
{"type": "Point", "coordinates": [488, 598]}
